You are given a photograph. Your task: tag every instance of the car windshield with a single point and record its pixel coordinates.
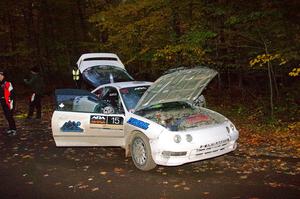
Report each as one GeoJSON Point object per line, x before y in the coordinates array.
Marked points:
{"type": "Point", "coordinates": [132, 95]}
{"type": "Point", "coordinates": [99, 75]}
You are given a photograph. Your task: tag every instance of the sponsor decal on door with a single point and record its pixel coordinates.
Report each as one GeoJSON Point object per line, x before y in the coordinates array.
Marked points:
{"type": "Point", "coordinates": [107, 122]}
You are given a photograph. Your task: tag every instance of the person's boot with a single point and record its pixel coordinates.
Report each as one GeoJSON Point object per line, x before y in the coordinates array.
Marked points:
{"type": "Point", "coordinates": [11, 132]}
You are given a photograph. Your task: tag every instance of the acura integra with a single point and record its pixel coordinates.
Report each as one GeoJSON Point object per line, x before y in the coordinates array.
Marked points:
{"type": "Point", "coordinates": [156, 123]}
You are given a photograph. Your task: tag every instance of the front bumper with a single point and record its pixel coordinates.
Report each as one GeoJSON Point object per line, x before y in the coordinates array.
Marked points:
{"type": "Point", "coordinates": [172, 158]}
{"type": "Point", "coordinates": [206, 143]}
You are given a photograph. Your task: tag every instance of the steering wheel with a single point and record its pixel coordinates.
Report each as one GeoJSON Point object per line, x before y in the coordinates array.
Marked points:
{"type": "Point", "coordinates": [108, 110]}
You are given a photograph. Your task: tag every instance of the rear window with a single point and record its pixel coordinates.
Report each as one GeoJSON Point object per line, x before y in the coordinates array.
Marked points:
{"type": "Point", "coordinates": [99, 75]}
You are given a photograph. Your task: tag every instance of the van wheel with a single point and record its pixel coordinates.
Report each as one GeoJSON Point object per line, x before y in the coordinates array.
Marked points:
{"type": "Point", "coordinates": [141, 152]}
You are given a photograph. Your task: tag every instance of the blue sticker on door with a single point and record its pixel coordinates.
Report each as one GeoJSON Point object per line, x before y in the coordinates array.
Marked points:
{"type": "Point", "coordinates": [138, 123]}
{"type": "Point", "coordinates": [71, 126]}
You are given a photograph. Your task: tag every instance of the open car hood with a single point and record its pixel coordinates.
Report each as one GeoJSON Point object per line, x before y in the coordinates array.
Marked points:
{"type": "Point", "coordinates": [183, 86]}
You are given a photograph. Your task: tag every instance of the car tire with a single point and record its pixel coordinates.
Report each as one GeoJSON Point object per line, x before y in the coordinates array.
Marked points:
{"type": "Point", "coordinates": [141, 152]}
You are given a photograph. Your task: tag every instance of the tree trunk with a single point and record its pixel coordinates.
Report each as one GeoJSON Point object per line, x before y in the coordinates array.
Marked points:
{"type": "Point", "coordinates": [275, 83]}
{"type": "Point", "coordinates": [81, 15]}
{"type": "Point", "coordinates": [11, 33]}
{"type": "Point", "coordinates": [191, 7]}
{"type": "Point", "coordinates": [270, 84]}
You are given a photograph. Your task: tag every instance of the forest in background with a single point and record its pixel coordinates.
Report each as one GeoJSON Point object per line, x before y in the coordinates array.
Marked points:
{"type": "Point", "coordinates": [255, 45]}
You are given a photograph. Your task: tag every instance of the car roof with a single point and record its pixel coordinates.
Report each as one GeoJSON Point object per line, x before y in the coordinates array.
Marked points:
{"type": "Point", "coordinates": [121, 85]}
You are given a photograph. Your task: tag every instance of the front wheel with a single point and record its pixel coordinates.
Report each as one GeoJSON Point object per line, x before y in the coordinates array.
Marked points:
{"type": "Point", "coordinates": [141, 152]}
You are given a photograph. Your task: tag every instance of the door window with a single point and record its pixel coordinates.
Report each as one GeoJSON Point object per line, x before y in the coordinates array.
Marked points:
{"type": "Point", "coordinates": [75, 100]}
{"type": "Point", "coordinates": [111, 96]}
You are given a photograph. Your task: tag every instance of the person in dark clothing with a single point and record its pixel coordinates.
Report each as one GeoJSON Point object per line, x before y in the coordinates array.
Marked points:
{"type": "Point", "coordinates": [7, 102]}
{"type": "Point", "coordinates": [36, 84]}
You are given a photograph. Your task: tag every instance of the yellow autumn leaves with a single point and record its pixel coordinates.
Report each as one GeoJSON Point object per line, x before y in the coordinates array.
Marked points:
{"type": "Point", "coordinates": [295, 72]}
{"type": "Point", "coordinates": [170, 51]}
{"type": "Point", "coordinates": [265, 58]}
{"type": "Point", "coordinates": [187, 53]}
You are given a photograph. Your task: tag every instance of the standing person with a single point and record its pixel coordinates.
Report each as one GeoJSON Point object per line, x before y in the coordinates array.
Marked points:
{"type": "Point", "coordinates": [76, 77]}
{"type": "Point", "coordinates": [7, 102]}
{"type": "Point", "coordinates": [36, 84]}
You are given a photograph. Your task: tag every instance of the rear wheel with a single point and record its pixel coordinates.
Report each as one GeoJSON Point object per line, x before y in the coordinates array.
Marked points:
{"type": "Point", "coordinates": [141, 152]}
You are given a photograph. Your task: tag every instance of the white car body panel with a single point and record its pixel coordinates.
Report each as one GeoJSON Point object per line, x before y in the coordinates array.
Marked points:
{"type": "Point", "coordinates": [207, 140]}
{"type": "Point", "coordinates": [201, 137]}
{"type": "Point", "coordinates": [161, 139]}
{"type": "Point", "coordinates": [120, 85]}
{"type": "Point", "coordinates": [83, 63]}
{"type": "Point", "coordinates": [92, 135]}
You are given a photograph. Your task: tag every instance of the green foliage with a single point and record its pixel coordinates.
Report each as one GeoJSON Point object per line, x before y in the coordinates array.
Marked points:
{"type": "Point", "coordinates": [198, 37]}
{"type": "Point", "coordinates": [148, 32]}
{"type": "Point", "coordinates": [151, 36]}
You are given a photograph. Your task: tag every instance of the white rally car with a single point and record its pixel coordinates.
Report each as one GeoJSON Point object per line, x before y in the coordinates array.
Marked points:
{"type": "Point", "coordinates": [156, 123]}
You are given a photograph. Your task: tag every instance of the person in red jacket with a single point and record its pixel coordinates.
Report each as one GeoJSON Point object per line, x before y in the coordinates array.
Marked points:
{"type": "Point", "coordinates": [7, 102]}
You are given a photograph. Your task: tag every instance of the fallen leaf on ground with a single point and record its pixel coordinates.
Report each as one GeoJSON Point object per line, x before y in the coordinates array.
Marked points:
{"type": "Point", "coordinates": [83, 186]}
{"type": "Point", "coordinates": [118, 170]}
{"type": "Point", "coordinates": [103, 173]}
{"type": "Point", "coordinates": [243, 177]}
{"type": "Point", "coordinates": [95, 189]}
{"type": "Point", "coordinates": [27, 156]}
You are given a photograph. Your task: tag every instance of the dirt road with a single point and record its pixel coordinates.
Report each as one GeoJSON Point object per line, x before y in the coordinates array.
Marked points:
{"type": "Point", "coordinates": [32, 166]}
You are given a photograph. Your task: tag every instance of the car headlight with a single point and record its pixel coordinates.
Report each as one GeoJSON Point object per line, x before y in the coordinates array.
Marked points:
{"type": "Point", "coordinates": [189, 138]}
{"type": "Point", "coordinates": [228, 130]}
{"type": "Point", "coordinates": [177, 138]}
{"type": "Point", "coordinates": [232, 127]}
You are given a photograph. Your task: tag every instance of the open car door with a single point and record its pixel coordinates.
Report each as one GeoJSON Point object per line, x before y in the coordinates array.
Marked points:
{"type": "Point", "coordinates": [81, 119]}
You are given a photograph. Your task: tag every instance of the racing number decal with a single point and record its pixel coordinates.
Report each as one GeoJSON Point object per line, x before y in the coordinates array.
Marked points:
{"type": "Point", "coordinates": [115, 120]}
{"type": "Point", "coordinates": [100, 121]}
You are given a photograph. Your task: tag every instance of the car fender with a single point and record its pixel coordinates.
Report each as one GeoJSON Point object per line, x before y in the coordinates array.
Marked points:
{"type": "Point", "coordinates": [136, 124]}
